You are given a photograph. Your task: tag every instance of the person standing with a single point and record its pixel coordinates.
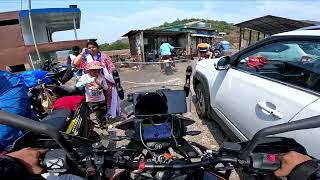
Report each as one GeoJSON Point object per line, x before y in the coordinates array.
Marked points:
{"type": "Point", "coordinates": [92, 53]}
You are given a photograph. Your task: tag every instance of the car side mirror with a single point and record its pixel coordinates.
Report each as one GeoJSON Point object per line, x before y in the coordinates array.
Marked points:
{"type": "Point", "coordinates": [223, 63]}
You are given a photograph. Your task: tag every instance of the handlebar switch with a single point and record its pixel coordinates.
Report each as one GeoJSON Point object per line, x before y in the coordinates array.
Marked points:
{"type": "Point", "coordinates": [265, 162]}
{"type": "Point", "coordinates": [55, 161]}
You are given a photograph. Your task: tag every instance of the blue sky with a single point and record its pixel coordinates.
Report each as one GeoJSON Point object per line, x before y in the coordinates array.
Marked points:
{"type": "Point", "coordinates": [108, 20]}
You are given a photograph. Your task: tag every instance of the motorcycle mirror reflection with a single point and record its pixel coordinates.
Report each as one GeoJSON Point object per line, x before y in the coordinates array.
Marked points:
{"type": "Point", "coordinates": [223, 63]}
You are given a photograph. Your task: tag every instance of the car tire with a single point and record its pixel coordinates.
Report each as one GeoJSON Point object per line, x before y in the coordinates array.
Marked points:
{"type": "Point", "coordinates": [201, 101]}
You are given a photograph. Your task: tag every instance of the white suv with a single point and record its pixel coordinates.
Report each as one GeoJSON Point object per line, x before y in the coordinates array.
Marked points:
{"type": "Point", "coordinates": [243, 97]}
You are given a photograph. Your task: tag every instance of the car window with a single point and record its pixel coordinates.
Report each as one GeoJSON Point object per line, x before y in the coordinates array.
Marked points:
{"type": "Point", "coordinates": [294, 62]}
{"type": "Point", "coordinates": [277, 48]}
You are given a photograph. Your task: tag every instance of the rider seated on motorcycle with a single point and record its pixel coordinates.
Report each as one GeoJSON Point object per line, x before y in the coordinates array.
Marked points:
{"type": "Point", "coordinates": [165, 52]}
{"type": "Point", "coordinates": [166, 49]}
{"type": "Point", "coordinates": [94, 83]}
{"type": "Point", "coordinates": [204, 47]}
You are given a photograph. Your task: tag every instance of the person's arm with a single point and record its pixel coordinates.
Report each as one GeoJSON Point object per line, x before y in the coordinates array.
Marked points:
{"type": "Point", "coordinates": [107, 71]}
{"type": "Point", "coordinates": [171, 47]}
{"type": "Point", "coordinates": [84, 80]}
{"type": "Point", "coordinates": [79, 58]}
{"type": "Point", "coordinates": [20, 164]}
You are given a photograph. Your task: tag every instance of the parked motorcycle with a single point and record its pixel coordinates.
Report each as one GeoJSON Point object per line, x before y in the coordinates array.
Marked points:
{"type": "Point", "coordinates": [58, 73]}
{"type": "Point", "coordinates": [43, 96]}
{"type": "Point", "coordinates": [217, 50]}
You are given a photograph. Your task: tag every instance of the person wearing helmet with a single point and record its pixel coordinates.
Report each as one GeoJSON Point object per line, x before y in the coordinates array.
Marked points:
{"type": "Point", "coordinates": [204, 48]}
{"type": "Point", "coordinates": [94, 83]}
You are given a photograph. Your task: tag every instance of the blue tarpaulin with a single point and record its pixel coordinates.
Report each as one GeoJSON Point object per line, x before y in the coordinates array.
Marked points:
{"type": "Point", "coordinates": [30, 77]}
{"type": "Point", "coordinates": [13, 99]}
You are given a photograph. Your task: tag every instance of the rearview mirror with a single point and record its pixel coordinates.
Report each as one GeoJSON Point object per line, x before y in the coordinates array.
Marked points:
{"type": "Point", "coordinates": [35, 126]}
{"type": "Point", "coordinates": [223, 63]}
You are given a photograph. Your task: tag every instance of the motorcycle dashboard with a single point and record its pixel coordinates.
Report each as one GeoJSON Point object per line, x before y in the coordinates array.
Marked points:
{"type": "Point", "coordinates": [156, 131]}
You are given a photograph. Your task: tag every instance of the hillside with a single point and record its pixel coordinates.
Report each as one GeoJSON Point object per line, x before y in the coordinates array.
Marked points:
{"type": "Point", "coordinates": [221, 26]}
{"type": "Point", "coordinates": [117, 45]}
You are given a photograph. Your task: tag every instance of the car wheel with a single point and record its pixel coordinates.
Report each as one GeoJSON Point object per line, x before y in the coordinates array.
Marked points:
{"type": "Point", "coordinates": [201, 99]}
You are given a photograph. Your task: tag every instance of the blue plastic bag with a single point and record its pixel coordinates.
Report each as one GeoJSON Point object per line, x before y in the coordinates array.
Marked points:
{"type": "Point", "coordinates": [13, 99]}
{"type": "Point", "coordinates": [30, 77]}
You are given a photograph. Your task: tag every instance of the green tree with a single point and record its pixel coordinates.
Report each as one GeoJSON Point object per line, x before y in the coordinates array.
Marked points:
{"type": "Point", "coordinates": [118, 45]}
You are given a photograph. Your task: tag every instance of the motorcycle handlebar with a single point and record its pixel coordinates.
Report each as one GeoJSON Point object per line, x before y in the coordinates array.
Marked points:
{"type": "Point", "coordinates": [144, 166]}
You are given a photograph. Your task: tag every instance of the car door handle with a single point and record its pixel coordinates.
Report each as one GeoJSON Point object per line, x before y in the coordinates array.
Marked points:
{"type": "Point", "coordinates": [272, 112]}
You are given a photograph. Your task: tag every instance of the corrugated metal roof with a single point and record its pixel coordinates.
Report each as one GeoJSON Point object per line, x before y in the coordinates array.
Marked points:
{"type": "Point", "coordinates": [154, 32]}
{"type": "Point", "coordinates": [199, 28]}
{"type": "Point", "coordinates": [56, 19]}
{"type": "Point", "coordinates": [273, 24]}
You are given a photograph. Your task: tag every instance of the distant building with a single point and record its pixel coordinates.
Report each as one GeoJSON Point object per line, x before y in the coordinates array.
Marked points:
{"type": "Point", "coordinates": [17, 48]}
{"type": "Point", "coordinates": [199, 31]}
{"type": "Point", "coordinates": [144, 42]}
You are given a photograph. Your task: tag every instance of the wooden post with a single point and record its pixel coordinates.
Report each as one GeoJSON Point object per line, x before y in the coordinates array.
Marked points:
{"type": "Point", "coordinates": [240, 38]}
{"type": "Point", "coordinates": [142, 46]}
{"type": "Point", "coordinates": [189, 44]}
{"type": "Point", "coordinates": [258, 36]}
{"type": "Point", "coordinates": [250, 35]}
{"type": "Point", "coordinates": [264, 35]}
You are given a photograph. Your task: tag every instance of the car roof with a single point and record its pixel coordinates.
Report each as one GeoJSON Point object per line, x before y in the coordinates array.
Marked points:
{"type": "Point", "coordinates": [306, 31]}
{"type": "Point", "coordinates": [301, 32]}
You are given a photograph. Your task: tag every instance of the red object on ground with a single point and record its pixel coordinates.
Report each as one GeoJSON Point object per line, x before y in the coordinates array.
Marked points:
{"type": "Point", "coordinates": [68, 102]}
